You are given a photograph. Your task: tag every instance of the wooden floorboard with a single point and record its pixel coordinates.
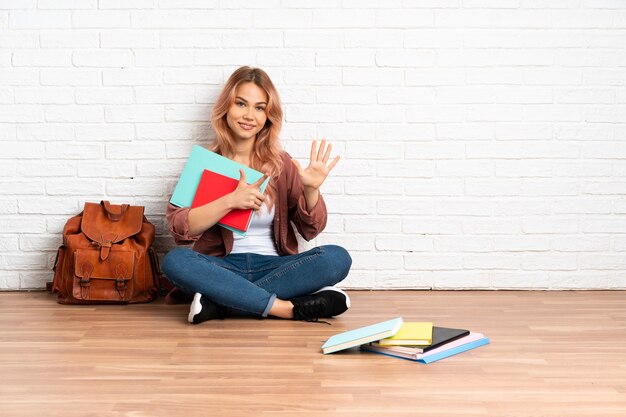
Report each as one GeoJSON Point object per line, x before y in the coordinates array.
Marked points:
{"type": "Point", "coordinates": [551, 354]}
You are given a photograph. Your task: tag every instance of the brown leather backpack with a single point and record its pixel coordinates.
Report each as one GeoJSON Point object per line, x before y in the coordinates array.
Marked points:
{"type": "Point", "coordinates": [106, 257]}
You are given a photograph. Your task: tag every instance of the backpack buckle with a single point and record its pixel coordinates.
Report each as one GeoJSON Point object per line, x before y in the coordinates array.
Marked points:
{"type": "Point", "coordinates": [105, 243]}
{"type": "Point", "coordinates": [86, 269]}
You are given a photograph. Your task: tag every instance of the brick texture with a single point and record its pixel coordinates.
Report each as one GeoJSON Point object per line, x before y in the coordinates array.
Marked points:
{"type": "Point", "coordinates": [483, 143]}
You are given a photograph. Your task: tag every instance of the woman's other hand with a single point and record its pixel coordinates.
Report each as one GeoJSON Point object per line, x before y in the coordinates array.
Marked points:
{"type": "Point", "coordinates": [314, 175]}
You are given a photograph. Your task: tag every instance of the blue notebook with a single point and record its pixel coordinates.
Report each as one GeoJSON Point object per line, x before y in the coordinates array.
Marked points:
{"type": "Point", "coordinates": [468, 346]}
{"type": "Point", "coordinates": [362, 335]}
{"type": "Point", "coordinates": [201, 159]}
{"type": "Point", "coordinates": [474, 340]}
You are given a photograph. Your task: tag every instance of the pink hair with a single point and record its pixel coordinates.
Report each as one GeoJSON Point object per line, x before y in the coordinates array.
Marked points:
{"type": "Point", "coordinates": [266, 152]}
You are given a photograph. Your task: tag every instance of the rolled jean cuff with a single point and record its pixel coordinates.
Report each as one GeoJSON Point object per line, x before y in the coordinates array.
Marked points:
{"type": "Point", "coordinates": [270, 303]}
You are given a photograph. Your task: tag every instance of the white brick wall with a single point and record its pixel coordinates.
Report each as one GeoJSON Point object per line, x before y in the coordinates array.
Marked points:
{"type": "Point", "coordinates": [483, 142]}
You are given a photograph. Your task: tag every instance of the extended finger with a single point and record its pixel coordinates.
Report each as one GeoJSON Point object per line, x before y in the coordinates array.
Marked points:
{"type": "Point", "coordinates": [320, 152]}
{"type": "Point", "coordinates": [242, 176]}
{"type": "Point", "coordinates": [327, 154]}
{"type": "Point", "coordinates": [260, 181]}
{"type": "Point", "coordinates": [333, 163]}
{"type": "Point", "coordinates": [313, 150]}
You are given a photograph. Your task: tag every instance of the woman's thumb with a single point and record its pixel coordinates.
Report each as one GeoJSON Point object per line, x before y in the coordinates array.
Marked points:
{"type": "Point", "coordinates": [297, 164]}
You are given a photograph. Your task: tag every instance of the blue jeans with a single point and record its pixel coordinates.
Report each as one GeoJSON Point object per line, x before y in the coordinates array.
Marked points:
{"type": "Point", "coordinates": [249, 282]}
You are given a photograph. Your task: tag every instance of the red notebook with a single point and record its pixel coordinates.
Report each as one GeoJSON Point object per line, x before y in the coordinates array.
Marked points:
{"type": "Point", "coordinates": [213, 186]}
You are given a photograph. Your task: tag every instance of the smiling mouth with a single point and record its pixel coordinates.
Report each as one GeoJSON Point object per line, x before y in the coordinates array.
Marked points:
{"type": "Point", "coordinates": [246, 126]}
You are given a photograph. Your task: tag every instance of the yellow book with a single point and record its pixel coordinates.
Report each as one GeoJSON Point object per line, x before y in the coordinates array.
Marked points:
{"type": "Point", "coordinates": [411, 334]}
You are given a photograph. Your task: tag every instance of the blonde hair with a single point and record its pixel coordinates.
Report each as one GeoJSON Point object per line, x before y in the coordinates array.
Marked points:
{"type": "Point", "coordinates": [265, 156]}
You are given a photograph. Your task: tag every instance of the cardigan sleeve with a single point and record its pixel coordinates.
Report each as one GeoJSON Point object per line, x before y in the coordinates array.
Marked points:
{"type": "Point", "coordinates": [308, 223]}
{"type": "Point", "coordinates": [178, 224]}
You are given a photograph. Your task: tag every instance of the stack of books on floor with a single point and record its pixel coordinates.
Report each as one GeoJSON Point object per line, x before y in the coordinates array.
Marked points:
{"type": "Point", "coordinates": [417, 341]}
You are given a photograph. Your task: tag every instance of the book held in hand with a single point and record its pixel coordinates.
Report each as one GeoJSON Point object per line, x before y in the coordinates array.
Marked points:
{"type": "Point", "coordinates": [412, 334]}
{"type": "Point", "coordinates": [357, 337]}
{"type": "Point", "coordinates": [201, 159]}
{"type": "Point", "coordinates": [213, 186]}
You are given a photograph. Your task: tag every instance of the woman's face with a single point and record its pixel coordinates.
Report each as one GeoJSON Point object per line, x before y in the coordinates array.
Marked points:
{"type": "Point", "coordinates": [246, 116]}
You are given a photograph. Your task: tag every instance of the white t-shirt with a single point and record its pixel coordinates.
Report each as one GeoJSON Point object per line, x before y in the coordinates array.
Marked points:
{"type": "Point", "coordinates": [260, 237]}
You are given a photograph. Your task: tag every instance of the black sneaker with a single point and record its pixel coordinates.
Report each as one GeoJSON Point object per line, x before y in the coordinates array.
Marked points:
{"type": "Point", "coordinates": [203, 309]}
{"type": "Point", "coordinates": [327, 302]}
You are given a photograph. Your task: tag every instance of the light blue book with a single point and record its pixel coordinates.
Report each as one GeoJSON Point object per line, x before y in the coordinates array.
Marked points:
{"type": "Point", "coordinates": [468, 346]}
{"type": "Point", "coordinates": [201, 159]}
{"type": "Point", "coordinates": [442, 352]}
{"type": "Point", "coordinates": [362, 335]}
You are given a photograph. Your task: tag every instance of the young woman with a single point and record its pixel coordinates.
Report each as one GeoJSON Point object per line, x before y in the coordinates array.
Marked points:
{"type": "Point", "coordinates": [261, 273]}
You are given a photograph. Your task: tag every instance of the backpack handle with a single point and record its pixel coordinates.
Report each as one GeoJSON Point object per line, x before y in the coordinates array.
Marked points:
{"type": "Point", "coordinates": [113, 214]}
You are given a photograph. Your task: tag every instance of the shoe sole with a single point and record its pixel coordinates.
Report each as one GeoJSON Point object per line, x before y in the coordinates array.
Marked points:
{"type": "Point", "coordinates": [336, 290]}
{"type": "Point", "coordinates": [195, 308]}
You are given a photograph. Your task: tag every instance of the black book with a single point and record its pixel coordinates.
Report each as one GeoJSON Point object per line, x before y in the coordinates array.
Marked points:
{"type": "Point", "coordinates": [441, 336]}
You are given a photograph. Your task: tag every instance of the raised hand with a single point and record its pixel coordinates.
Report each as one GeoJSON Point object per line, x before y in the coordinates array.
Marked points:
{"type": "Point", "coordinates": [247, 196]}
{"type": "Point", "coordinates": [314, 175]}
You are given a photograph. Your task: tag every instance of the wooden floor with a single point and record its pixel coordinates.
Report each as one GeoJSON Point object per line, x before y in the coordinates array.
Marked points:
{"type": "Point", "coordinates": [551, 354]}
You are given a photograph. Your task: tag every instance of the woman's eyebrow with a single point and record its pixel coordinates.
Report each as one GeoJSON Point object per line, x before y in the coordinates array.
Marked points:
{"type": "Point", "coordinates": [244, 100]}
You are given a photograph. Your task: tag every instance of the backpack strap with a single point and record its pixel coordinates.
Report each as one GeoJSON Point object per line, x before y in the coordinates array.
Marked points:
{"type": "Point", "coordinates": [113, 214]}
{"type": "Point", "coordinates": [85, 281]}
{"type": "Point", "coordinates": [53, 286]}
{"type": "Point", "coordinates": [108, 226]}
{"type": "Point", "coordinates": [121, 272]}
{"type": "Point", "coordinates": [105, 242]}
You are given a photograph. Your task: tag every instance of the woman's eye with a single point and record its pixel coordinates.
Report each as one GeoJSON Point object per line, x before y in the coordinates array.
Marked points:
{"type": "Point", "coordinates": [260, 108]}
{"type": "Point", "coordinates": [240, 103]}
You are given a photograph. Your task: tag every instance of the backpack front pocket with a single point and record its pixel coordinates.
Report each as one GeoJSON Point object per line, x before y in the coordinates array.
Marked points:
{"type": "Point", "coordinates": [98, 280]}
